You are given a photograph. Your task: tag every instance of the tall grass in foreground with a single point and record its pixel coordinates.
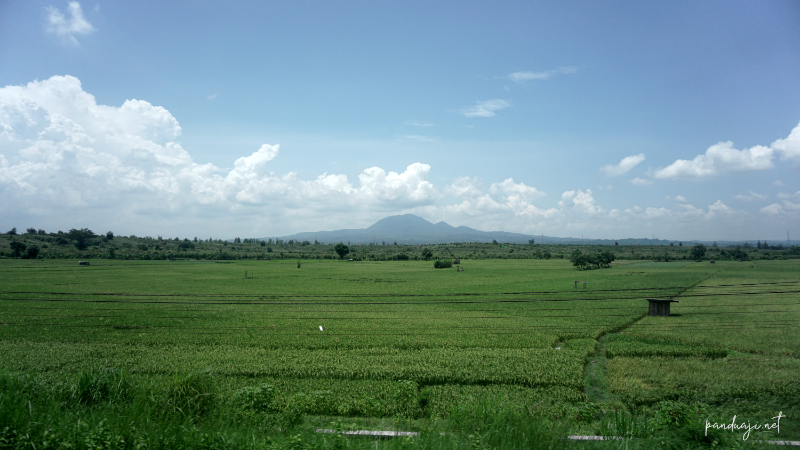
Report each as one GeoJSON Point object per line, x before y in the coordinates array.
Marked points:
{"type": "Point", "coordinates": [104, 409]}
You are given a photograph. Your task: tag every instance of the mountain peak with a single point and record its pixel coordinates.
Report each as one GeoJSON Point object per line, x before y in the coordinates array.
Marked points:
{"type": "Point", "coordinates": [406, 223]}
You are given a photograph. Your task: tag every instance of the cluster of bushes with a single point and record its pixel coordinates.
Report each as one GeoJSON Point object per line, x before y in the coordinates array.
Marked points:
{"type": "Point", "coordinates": [588, 261]}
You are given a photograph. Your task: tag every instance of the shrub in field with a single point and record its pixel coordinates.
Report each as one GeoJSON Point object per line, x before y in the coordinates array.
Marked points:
{"type": "Point", "coordinates": [190, 394]}
{"type": "Point", "coordinates": [491, 423]}
{"type": "Point", "coordinates": [407, 399]}
{"type": "Point", "coordinates": [442, 264]}
{"type": "Point", "coordinates": [105, 384]}
{"type": "Point", "coordinates": [291, 416]}
{"type": "Point", "coordinates": [586, 412]}
{"type": "Point", "coordinates": [258, 398]}
{"type": "Point", "coordinates": [623, 424]}
{"type": "Point", "coordinates": [588, 261]}
{"type": "Point", "coordinates": [319, 402]}
{"type": "Point", "coordinates": [671, 414]}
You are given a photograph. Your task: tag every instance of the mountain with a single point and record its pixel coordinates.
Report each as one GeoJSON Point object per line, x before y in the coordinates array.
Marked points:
{"type": "Point", "coordinates": [408, 229]}
{"type": "Point", "coordinates": [411, 229]}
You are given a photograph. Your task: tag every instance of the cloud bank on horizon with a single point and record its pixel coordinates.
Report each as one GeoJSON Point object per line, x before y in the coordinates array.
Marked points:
{"type": "Point", "coordinates": [67, 161]}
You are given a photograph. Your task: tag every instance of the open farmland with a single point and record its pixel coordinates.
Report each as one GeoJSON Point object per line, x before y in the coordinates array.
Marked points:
{"type": "Point", "coordinates": [512, 329]}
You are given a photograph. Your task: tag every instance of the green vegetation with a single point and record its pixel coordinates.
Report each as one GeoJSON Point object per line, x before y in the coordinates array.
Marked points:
{"type": "Point", "coordinates": [507, 354]}
{"type": "Point", "coordinates": [85, 244]}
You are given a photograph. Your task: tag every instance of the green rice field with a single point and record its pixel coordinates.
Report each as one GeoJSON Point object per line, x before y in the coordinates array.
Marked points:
{"type": "Point", "coordinates": [368, 344]}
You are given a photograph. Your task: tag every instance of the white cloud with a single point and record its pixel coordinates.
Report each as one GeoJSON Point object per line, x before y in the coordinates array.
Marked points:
{"type": "Point", "coordinates": [464, 187]}
{"type": "Point", "coordinates": [778, 183]}
{"type": "Point", "coordinates": [719, 158]}
{"type": "Point", "coordinates": [789, 148]}
{"type": "Point", "coordinates": [404, 189]}
{"type": "Point", "coordinates": [717, 209]}
{"type": "Point", "coordinates": [773, 209]}
{"type": "Point", "coordinates": [66, 161]}
{"type": "Point", "coordinates": [68, 27]}
{"type": "Point", "coordinates": [507, 203]}
{"type": "Point", "coordinates": [625, 165]}
{"type": "Point", "coordinates": [641, 181]}
{"type": "Point", "coordinates": [750, 196]}
{"type": "Point", "coordinates": [211, 96]}
{"type": "Point", "coordinates": [522, 77]}
{"type": "Point", "coordinates": [60, 150]}
{"type": "Point", "coordinates": [518, 190]}
{"type": "Point", "coordinates": [581, 200]}
{"type": "Point", "coordinates": [791, 206]}
{"type": "Point", "coordinates": [485, 109]}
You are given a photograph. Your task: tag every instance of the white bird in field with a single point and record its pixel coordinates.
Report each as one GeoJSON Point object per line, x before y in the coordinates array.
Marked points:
{"type": "Point", "coordinates": [320, 328]}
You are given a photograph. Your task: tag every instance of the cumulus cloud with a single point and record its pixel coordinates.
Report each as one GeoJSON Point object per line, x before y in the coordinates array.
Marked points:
{"type": "Point", "coordinates": [60, 150]}
{"type": "Point", "coordinates": [506, 203]}
{"type": "Point", "coordinates": [68, 27]}
{"type": "Point", "coordinates": [522, 77]}
{"type": "Point", "coordinates": [718, 209]}
{"type": "Point", "coordinates": [625, 165]}
{"type": "Point", "coordinates": [71, 162]}
{"type": "Point", "coordinates": [719, 158]}
{"type": "Point", "coordinates": [464, 187]}
{"type": "Point", "coordinates": [509, 188]}
{"type": "Point", "coordinates": [789, 148]}
{"type": "Point", "coordinates": [772, 210]}
{"type": "Point", "coordinates": [580, 200]}
{"type": "Point", "coordinates": [789, 203]}
{"type": "Point", "coordinates": [485, 109]}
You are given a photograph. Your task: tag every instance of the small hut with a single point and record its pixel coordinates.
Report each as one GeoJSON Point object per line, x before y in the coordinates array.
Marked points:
{"type": "Point", "coordinates": [659, 306]}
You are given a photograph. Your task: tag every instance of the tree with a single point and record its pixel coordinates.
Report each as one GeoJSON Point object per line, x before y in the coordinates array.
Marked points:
{"type": "Point", "coordinates": [341, 249]}
{"type": "Point", "coordinates": [30, 231]}
{"type": "Point", "coordinates": [12, 232]}
{"type": "Point", "coordinates": [81, 237]}
{"type": "Point", "coordinates": [588, 261]}
{"type": "Point", "coordinates": [33, 252]}
{"type": "Point", "coordinates": [110, 235]}
{"type": "Point", "coordinates": [738, 255]}
{"type": "Point", "coordinates": [427, 253]}
{"type": "Point", "coordinates": [17, 248]}
{"type": "Point", "coordinates": [530, 241]}
{"type": "Point", "coordinates": [698, 251]}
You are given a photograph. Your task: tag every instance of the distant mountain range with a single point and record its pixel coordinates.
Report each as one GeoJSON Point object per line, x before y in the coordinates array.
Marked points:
{"type": "Point", "coordinates": [411, 229]}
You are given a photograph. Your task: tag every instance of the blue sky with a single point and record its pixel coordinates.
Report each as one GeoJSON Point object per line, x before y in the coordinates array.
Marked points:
{"type": "Point", "coordinates": [603, 119]}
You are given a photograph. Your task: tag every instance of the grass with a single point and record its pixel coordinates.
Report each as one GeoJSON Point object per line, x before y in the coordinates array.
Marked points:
{"type": "Point", "coordinates": [175, 341]}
